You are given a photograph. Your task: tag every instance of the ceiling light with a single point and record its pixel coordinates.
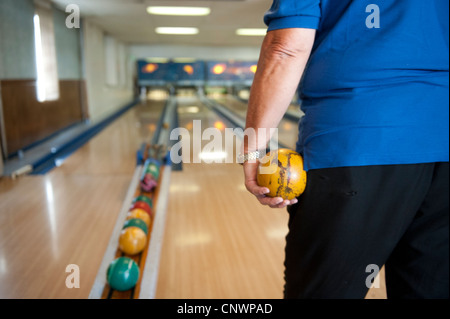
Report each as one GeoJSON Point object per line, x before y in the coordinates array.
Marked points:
{"type": "Point", "coordinates": [251, 32]}
{"type": "Point", "coordinates": [179, 11]}
{"type": "Point", "coordinates": [174, 30]}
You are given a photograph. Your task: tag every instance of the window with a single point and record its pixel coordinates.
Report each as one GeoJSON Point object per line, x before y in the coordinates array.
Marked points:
{"type": "Point", "coordinates": [47, 88]}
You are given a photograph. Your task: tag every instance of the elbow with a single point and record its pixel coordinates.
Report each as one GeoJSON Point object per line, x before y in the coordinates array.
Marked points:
{"type": "Point", "coordinates": [286, 46]}
{"type": "Point", "coordinates": [281, 50]}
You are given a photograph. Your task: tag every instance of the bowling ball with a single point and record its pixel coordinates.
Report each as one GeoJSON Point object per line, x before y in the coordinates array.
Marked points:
{"type": "Point", "coordinates": [281, 171]}
{"type": "Point", "coordinates": [141, 214]}
{"type": "Point", "coordinates": [148, 183]}
{"type": "Point", "coordinates": [153, 170]}
{"type": "Point", "coordinates": [142, 205]}
{"type": "Point", "coordinates": [142, 198]}
{"type": "Point", "coordinates": [132, 240]}
{"type": "Point", "coordinates": [136, 222]}
{"type": "Point", "coordinates": [155, 161]}
{"type": "Point", "coordinates": [122, 274]}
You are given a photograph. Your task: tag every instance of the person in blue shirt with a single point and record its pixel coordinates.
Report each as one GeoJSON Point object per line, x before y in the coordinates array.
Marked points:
{"type": "Point", "coordinates": [374, 85]}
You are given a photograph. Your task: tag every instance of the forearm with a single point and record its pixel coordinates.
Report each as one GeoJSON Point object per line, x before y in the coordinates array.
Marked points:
{"type": "Point", "coordinates": [283, 58]}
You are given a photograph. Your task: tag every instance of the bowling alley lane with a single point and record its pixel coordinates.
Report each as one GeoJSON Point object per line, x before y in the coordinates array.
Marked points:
{"type": "Point", "coordinates": [66, 216]}
{"type": "Point", "coordinates": [287, 129]}
{"type": "Point", "coordinates": [114, 150]}
{"type": "Point", "coordinates": [216, 232]}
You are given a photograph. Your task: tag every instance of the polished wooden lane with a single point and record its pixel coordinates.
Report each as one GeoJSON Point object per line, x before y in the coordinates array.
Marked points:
{"type": "Point", "coordinates": [67, 216]}
{"type": "Point", "coordinates": [219, 242]}
{"type": "Point", "coordinates": [49, 222]}
{"type": "Point", "coordinates": [287, 129]}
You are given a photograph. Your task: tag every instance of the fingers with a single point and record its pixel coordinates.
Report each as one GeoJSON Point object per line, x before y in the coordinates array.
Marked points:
{"type": "Point", "coordinates": [255, 189]}
{"type": "Point", "coordinates": [277, 202]}
{"type": "Point", "coordinates": [273, 202]}
{"type": "Point", "coordinates": [261, 192]}
{"type": "Point", "coordinates": [251, 184]}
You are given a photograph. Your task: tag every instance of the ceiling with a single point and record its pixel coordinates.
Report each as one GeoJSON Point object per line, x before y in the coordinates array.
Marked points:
{"type": "Point", "coordinates": [129, 22]}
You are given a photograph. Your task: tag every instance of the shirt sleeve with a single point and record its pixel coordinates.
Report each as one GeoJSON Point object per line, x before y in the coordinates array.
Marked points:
{"type": "Point", "coordinates": [293, 14]}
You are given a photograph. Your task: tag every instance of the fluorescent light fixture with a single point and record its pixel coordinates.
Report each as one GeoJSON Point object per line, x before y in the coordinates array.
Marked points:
{"type": "Point", "coordinates": [179, 11]}
{"type": "Point", "coordinates": [251, 32]}
{"type": "Point", "coordinates": [175, 30]}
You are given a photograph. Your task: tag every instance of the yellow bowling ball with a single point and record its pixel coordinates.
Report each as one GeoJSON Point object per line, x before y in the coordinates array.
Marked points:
{"type": "Point", "coordinates": [282, 172]}
{"type": "Point", "coordinates": [141, 214]}
{"type": "Point", "coordinates": [132, 240]}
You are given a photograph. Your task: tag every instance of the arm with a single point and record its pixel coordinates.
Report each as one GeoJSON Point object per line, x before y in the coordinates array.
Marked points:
{"type": "Point", "coordinates": [283, 58]}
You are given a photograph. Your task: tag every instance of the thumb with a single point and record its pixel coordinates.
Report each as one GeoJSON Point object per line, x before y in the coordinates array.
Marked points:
{"type": "Point", "coordinates": [250, 173]}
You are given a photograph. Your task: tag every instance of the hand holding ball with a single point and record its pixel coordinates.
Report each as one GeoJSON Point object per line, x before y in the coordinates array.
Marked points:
{"type": "Point", "coordinates": [282, 172]}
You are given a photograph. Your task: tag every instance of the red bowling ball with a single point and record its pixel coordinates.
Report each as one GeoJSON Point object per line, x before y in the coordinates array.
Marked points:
{"type": "Point", "coordinates": [142, 205]}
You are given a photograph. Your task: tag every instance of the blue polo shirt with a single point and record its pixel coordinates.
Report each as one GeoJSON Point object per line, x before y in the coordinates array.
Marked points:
{"type": "Point", "coordinates": [376, 88]}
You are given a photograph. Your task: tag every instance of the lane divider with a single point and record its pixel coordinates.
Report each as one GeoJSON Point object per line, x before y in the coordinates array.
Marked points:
{"type": "Point", "coordinates": [48, 162]}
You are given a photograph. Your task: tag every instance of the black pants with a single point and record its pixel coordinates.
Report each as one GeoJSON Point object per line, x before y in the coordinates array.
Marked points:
{"type": "Point", "coordinates": [350, 219]}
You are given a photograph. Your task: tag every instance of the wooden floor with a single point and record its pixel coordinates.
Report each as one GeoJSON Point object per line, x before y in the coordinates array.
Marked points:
{"type": "Point", "coordinates": [287, 129]}
{"type": "Point", "coordinates": [67, 216]}
{"type": "Point", "coordinates": [218, 243]}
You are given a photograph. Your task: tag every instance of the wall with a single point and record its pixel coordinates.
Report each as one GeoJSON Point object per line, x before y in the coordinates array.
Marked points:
{"type": "Point", "coordinates": [2, 136]}
{"type": "Point", "coordinates": [67, 42]}
{"type": "Point", "coordinates": [204, 53]}
{"type": "Point", "coordinates": [17, 39]}
{"type": "Point", "coordinates": [104, 99]}
{"type": "Point", "coordinates": [26, 120]}
{"type": "Point", "coordinates": [196, 52]}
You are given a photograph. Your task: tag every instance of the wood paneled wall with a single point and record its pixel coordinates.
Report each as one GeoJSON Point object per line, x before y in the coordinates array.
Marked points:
{"type": "Point", "coordinates": [27, 121]}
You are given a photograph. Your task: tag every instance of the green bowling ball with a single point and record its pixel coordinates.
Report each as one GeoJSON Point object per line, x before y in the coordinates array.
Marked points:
{"type": "Point", "coordinates": [153, 170]}
{"type": "Point", "coordinates": [136, 222]}
{"type": "Point", "coordinates": [122, 274]}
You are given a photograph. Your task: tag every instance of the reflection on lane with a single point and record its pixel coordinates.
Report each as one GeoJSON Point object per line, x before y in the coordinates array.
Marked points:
{"type": "Point", "coordinates": [287, 129]}
{"type": "Point", "coordinates": [102, 156]}
{"type": "Point", "coordinates": [213, 219]}
{"type": "Point", "coordinates": [204, 137]}
{"type": "Point", "coordinates": [147, 115]}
